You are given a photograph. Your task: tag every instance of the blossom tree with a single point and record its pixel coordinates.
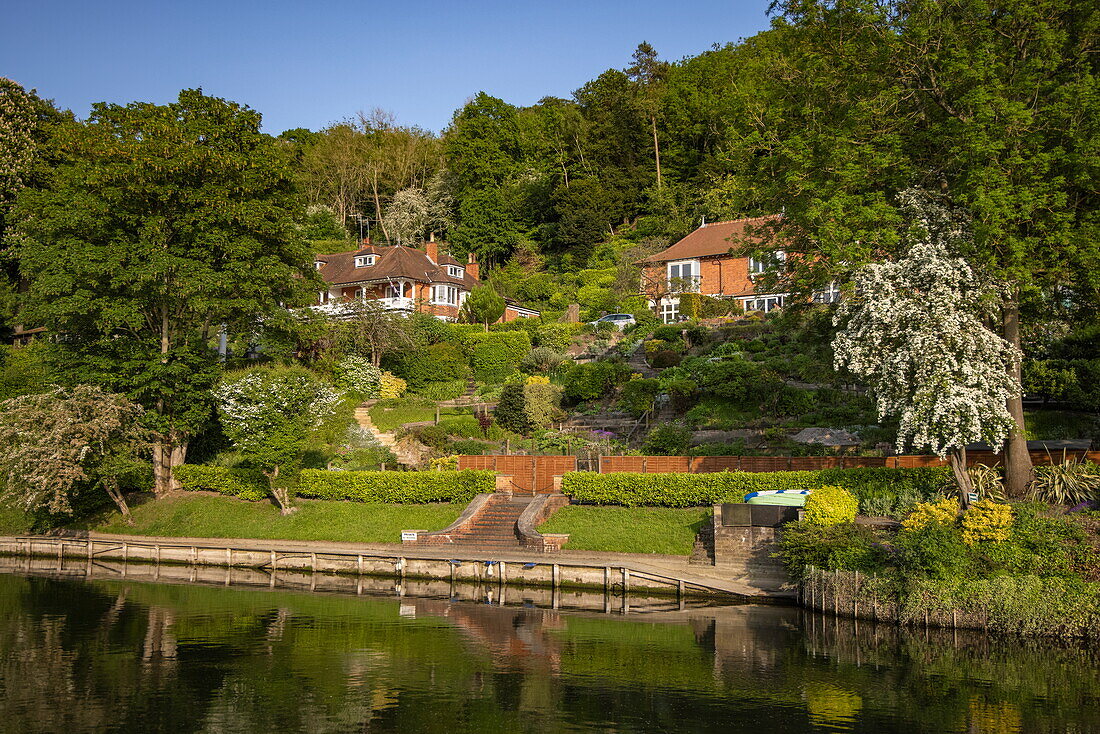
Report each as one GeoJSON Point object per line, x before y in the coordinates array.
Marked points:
{"type": "Point", "coordinates": [915, 333]}
{"type": "Point", "coordinates": [270, 416]}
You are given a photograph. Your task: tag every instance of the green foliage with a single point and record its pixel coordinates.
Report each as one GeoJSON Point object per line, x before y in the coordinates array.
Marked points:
{"type": "Point", "coordinates": [495, 355]}
{"type": "Point", "coordinates": [844, 546]}
{"type": "Point", "coordinates": [668, 439]}
{"type": "Point", "coordinates": [390, 387]}
{"type": "Point", "coordinates": [245, 484]}
{"type": "Point", "coordinates": [934, 550]}
{"type": "Point", "coordinates": [443, 362]}
{"type": "Point", "coordinates": [396, 487]}
{"type": "Point", "coordinates": [664, 530]}
{"type": "Point", "coordinates": [525, 407]}
{"type": "Point", "coordinates": [25, 371]}
{"type": "Point", "coordinates": [357, 374]}
{"type": "Point", "coordinates": [484, 305]}
{"type": "Point", "coordinates": [986, 521]}
{"type": "Point", "coordinates": [593, 380]}
{"type": "Point", "coordinates": [439, 391]}
{"type": "Point", "coordinates": [1068, 483]}
{"type": "Point", "coordinates": [542, 360]}
{"type": "Point", "coordinates": [693, 490]}
{"type": "Point", "coordinates": [637, 396]}
{"type": "Point", "coordinates": [831, 505]}
{"type": "Point", "coordinates": [557, 337]}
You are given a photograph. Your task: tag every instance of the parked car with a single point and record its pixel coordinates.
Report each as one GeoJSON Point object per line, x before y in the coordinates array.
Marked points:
{"type": "Point", "coordinates": [620, 320]}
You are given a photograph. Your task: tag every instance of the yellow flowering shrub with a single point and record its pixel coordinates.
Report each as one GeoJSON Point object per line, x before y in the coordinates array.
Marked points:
{"type": "Point", "coordinates": [444, 463]}
{"type": "Point", "coordinates": [987, 521]}
{"type": "Point", "coordinates": [831, 505]}
{"type": "Point", "coordinates": [390, 386]}
{"type": "Point", "coordinates": [538, 380]}
{"type": "Point", "coordinates": [944, 512]}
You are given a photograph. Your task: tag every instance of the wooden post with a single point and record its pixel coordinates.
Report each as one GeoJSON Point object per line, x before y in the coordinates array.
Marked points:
{"type": "Point", "coordinates": [274, 560]}
{"type": "Point", "coordinates": [229, 557]}
{"type": "Point", "coordinates": [60, 553]}
{"type": "Point", "coordinates": [626, 580]}
{"type": "Point", "coordinates": [156, 553]}
{"type": "Point", "coordinates": [607, 579]}
{"type": "Point", "coordinates": [90, 553]}
{"type": "Point", "coordinates": [680, 591]}
{"type": "Point", "coordinates": [503, 572]}
{"type": "Point", "coordinates": [359, 569]}
{"type": "Point", "coordinates": [401, 564]}
{"type": "Point", "coordinates": [313, 564]}
{"type": "Point", "coordinates": [554, 577]}
{"type": "Point", "coordinates": [125, 553]}
{"type": "Point", "coordinates": [194, 555]}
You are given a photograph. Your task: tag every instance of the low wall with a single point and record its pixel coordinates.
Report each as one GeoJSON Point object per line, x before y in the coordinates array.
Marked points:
{"type": "Point", "coordinates": [749, 552]}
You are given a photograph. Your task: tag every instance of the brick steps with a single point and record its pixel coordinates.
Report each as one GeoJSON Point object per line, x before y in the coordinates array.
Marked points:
{"type": "Point", "coordinates": [495, 525]}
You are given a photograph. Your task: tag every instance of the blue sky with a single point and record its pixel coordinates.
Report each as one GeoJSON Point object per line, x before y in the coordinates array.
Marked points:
{"type": "Point", "coordinates": [306, 64]}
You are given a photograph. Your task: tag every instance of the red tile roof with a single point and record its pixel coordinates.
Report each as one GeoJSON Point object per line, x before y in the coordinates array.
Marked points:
{"type": "Point", "coordinates": [716, 238]}
{"type": "Point", "coordinates": [392, 262]}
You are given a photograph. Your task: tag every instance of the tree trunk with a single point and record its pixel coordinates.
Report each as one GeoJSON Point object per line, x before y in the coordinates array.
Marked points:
{"type": "Point", "coordinates": [281, 494]}
{"type": "Point", "coordinates": [656, 148]}
{"type": "Point", "coordinates": [378, 206]}
{"type": "Point", "coordinates": [168, 452]}
{"type": "Point", "coordinates": [111, 485]}
{"type": "Point", "coordinates": [1018, 468]}
{"type": "Point", "coordinates": [962, 477]}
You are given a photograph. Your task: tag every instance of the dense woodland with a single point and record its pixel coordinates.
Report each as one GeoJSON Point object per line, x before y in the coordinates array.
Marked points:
{"type": "Point", "coordinates": [134, 235]}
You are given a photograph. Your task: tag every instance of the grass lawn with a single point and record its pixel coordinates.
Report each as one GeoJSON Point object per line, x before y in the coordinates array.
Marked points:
{"type": "Point", "coordinates": [207, 516]}
{"type": "Point", "coordinates": [388, 415]}
{"type": "Point", "coordinates": [664, 530]}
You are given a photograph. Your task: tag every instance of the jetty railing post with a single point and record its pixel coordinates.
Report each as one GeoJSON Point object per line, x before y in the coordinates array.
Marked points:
{"type": "Point", "coordinates": [194, 555]}
{"type": "Point", "coordinates": [156, 549]}
{"type": "Point", "coordinates": [359, 569]}
{"type": "Point", "coordinates": [313, 562]}
{"type": "Point", "coordinates": [501, 579]}
{"type": "Point", "coordinates": [90, 541]}
{"type": "Point", "coordinates": [555, 576]}
{"type": "Point", "coordinates": [401, 567]}
{"type": "Point", "coordinates": [229, 557]}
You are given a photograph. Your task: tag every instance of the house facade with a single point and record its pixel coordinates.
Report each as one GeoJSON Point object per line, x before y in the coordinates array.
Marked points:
{"type": "Point", "coordinates": [405, 280]}
{"type": "Point", "coordinates": [708, 262]}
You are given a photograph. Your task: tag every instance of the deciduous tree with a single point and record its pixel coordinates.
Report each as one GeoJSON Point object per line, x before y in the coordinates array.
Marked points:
{"type": "Point", "coordinates": [484, 306]}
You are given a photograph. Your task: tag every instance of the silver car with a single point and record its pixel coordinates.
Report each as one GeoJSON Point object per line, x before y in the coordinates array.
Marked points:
{"type": "Point", "coordinates": [620, 320]}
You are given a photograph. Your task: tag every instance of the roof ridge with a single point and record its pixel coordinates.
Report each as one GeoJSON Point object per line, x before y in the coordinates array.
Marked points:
{"type": "Point", "coordinates": [742, 219]}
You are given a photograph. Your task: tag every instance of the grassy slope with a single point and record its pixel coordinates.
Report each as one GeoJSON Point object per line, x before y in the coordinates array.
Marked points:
{"type": "Point", "coordinates": [388, 415]}
{"type": "Point", "coordinates": [204, 516]}
{"type": "Point", "coordinates": [628, 529]}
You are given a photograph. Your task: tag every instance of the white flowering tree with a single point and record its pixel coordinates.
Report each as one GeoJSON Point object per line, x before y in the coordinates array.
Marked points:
{"type": "Point", "coordinates": [270, 416]}
{"type": "Point", "coordinates": [914, 333]}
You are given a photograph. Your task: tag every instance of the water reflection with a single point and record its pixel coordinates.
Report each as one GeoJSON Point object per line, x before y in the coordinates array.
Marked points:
{"type": "Point", "coordinates": [121, 654]}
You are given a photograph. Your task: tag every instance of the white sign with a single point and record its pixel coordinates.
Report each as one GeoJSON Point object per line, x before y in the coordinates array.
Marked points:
{"type": "Point", "coordinates": [408, 535]}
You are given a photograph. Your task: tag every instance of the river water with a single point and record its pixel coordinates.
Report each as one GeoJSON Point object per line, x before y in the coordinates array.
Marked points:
{"type": "Point", "coordinates": [104, 653]}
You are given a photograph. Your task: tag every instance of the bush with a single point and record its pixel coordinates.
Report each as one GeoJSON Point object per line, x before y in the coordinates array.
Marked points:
{"type": "Point", "coordinates": [692, 490]}
{"type": "Point", "coordinates": [638, 395]}
{"type": "Point", "coordinates": [556, 337]}
{"type": "Point", "coordinates": [390, 387]}
{"type": "Point", "coordinates": [665, 358]}
{"type": "Point", "coordinates": [395, 487]}
{"type": "Point", "coordinates": [986, 521]}
{"type": "Point", "coordinates": [509, 410]}
{"type": "Point", "coordinates": [495, 355]}
{"type": "Point", "coordinates": [434, 436]}
{"type": "Point", "coordinates": [670, 439]}
{"type": "Point", "coordinates": [935, 550]}
{"type": "Point", "coordinates": [246, 484]}
{"type": "Point", "coordinates": [528, 406]}
{"type": "Point", "coordinates": [831, 505]}
{"type": "Point", "coordinates": [593, 380]}
{"type": "Point", "coordinates": [438, 391]}
{"type": "Point", "coordinates": [436, 363]}
{"type": "Point", "coordinates": [945, 513]}
{"type": "Point", "coordinates": [357, 374]}
{"type": "Point", "coordinates": [542, 359]}
{"type": "Point", "coordinates": [845, 546]}
{"type": "Point", "coordinates": [1068, 483]}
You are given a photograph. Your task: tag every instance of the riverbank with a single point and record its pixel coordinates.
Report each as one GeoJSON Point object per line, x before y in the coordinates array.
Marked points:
{"type": "Point", "coordinates": [612, 572]}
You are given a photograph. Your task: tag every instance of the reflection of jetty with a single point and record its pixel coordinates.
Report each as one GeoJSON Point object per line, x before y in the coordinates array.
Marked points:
{"type": "Point", "coordinates": [614, 574]}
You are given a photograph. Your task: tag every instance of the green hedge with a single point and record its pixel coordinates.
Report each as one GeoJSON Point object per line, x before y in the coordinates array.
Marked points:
{"type": "Point", "coordinates": [697, 490]}
{"type": "Point", "coordinates": [495, 355]}
{"type": "Point", "coordinates": [247, 484]}
{"type": "Point", "coordinates": [395, 487]}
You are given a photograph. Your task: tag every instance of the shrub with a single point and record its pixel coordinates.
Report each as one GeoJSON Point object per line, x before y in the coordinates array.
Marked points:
{"type": "Point", "coordinates": [846, 546]}
{"type": "Point", "coordinates": [831, 505]}
{"type": "Point", "coordinates": [390, 387]}
{"type": "Point", "coordinates": [395, 487]}
{"type": "Point", "coordinates": [357, 374]}
{"type": "Point", "coordinates": [444, 463]}
{"type": "Point", "coordinates": [433, 436]}
{"type": "Point", "coordinates": [556, 337]}
{"type": "Point", "coordinates": [438, 391]}
{"type": "Point", "coordinates": [935, 550]}
{"type": "Point", "coordinates": [668, 332]}
{"type": "Point", "coordinates": [665, 358]}
{"type": "Point", "coordinates": [525, 407]}
{"type": "Point", "coordinates": [542, 359]}
{"type": "Point", "coordinates": [509, 410]}
{"type": "Point", "coordinates": [495, 355]}
{"type": "Point", "coordinates": [653, 346]}
{"type": "Point", "coordinates": [638, 395]}
{"type": "Point", "coordinates": [944, 512]}
{"type": "Point", "coordinates": [669, 439]}
{"type": "Point", "coordinates": [1068, 483]}
{"type": "Point", "coordinates": [593, 380]}
{"type": "Point", "coordinates": [436, 363]}
{"type": "Point", "coordinates": [246, 484]}
{"type": "Point", "coordinates": [986, 521]}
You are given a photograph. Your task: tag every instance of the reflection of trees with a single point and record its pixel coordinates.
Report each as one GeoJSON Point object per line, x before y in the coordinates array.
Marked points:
{"type": "Point", "coordinates": [86, 657]}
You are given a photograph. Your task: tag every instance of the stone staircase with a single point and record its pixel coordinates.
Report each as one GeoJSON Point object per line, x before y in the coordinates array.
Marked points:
{"type": "Point", "coordinates": [362, 417]}
{"type": "Point", "coordinates": [638, 364]}
{"type": "Point", "coordinates": [489, 523]}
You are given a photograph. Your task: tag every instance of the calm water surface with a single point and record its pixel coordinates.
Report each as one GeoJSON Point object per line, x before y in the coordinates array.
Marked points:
{"type": "Point", "coordinates": [117, 655]}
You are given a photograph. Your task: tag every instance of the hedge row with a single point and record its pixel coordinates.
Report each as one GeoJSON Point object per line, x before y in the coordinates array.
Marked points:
{"type": "Point", "coordinates": [886, 486]}
{"type": "Point", "coordinates": [395, 487]}
{"type": "Point", "coordinates": [248, 484]}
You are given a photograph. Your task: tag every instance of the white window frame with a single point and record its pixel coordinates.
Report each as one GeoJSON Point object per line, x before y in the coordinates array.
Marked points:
{"type": "Point", "coordinates": [765, 302]}
{"type": "Point", "coordinates": [364, 261]}
{"type": "Point", "coordinates": [691, 277]}
{"type": "Point", "coordinates": [318, 264]}
{"type": "Point", "coordinates": [759, 266]}
{"type": "Point", "coordinates": [828, 294]}
{"type": "Point", "coordinates": [454, 271]}
{"type": "Point", "coordinates": [670, 310]}
{"type": "Point", "coordinates": [445, 295]}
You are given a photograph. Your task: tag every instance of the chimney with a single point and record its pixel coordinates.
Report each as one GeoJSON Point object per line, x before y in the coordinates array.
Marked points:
{"type": "Point", "coordinates": [432, 248]}
{"type": "Point", "coordinates": [472, 267]}
{"type": "Point", "coordinates": [366, 241]}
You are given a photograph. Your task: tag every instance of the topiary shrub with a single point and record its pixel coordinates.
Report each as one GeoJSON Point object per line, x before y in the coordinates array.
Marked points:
{"type": "Point", "coordinates": [442, 362]}
{"type": "Point", "coordinates": [593, 380]}
{"type": "Point", "coordinates": [245, 484]}
{"type": "Point", "coordinates": [943, 512]}
{"type": "Point", "coordinates": [987, 522]}
{"type": "Point", "coordinates": [495, 355]}
{"type": "Point", "coordinates": [508, 412]}
{"type": "Point", "coordinates": [831, 505]}
{"type": "Point", "coordinates": [394, 486]}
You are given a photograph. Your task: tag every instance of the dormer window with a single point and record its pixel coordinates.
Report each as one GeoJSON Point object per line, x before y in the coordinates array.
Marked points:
{"type": "Point", "coordinates": [318, 264]}
{"type": "Point", "coordinates": [454, 271]}
{"type": "Point", "coordinates": [364, 261]}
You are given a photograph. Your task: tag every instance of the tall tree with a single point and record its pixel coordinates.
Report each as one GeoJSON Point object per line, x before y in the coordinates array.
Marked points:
{"type": "Point", "coordinates": [992, 103]}
{"type": "Point", "coordinates": [160, 224]}
{"type": "Point", "coordinates": [648, 74]}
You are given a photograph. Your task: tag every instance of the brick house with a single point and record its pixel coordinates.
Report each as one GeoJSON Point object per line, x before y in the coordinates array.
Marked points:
{"type": "Point", "coordinates": [404, 279]}
{"type": "Point", "coordinates": [707, 261]}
